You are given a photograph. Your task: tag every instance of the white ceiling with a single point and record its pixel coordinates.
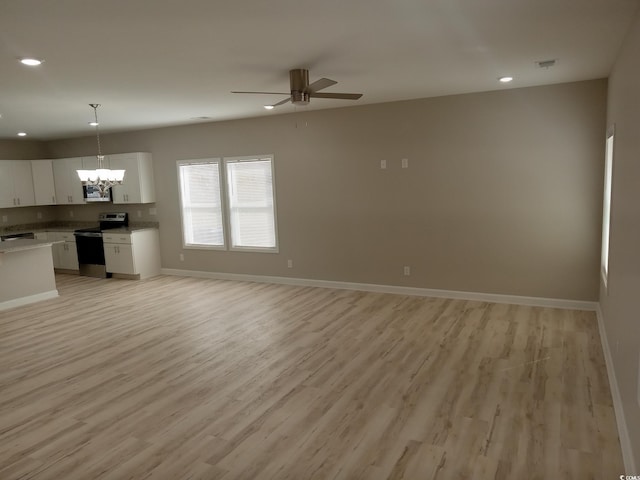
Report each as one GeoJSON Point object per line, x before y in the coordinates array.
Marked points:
{"type": "Point", "coordinates": [166, 62]}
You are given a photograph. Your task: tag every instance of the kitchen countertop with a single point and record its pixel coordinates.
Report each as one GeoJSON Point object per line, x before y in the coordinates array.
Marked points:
{"type": "Point", "coordinates": [23, 244]}
{"type": "Point", "coordinates": [128, 229]}
{"type": "Point", "coordinates": [70, 227]}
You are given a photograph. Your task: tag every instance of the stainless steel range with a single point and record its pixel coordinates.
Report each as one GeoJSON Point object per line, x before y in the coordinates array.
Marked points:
{"type": "Point", "coordinates": [90, 247]}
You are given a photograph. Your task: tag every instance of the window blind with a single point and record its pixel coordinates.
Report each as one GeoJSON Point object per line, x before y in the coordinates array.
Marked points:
{"type": "Point", "coordinates": [201, 204]}
{"type": "Point", "coordinates": [251, 203]}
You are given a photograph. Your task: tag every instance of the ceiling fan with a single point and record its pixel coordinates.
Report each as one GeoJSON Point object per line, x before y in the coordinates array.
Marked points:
{"type": "Point", "coordinates": [302, 91]}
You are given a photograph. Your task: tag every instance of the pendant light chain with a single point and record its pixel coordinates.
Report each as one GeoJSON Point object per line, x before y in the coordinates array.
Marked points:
{"type": "Point", "coordinates": [95, 113]}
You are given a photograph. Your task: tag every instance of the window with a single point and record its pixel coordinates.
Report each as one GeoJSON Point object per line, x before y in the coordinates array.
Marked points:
{"type": "Point", "coordinates": [251, 206]}
{"type": "Point", "coordinates": [200, 199]}
{"type": "Point", "coordinates": [240, 209]}
{"type": "Point", "coordinates": [606, 206]}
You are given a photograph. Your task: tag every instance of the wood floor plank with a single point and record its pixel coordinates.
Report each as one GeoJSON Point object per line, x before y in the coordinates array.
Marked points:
{"type": "Point", "coordinates": [187, 378]}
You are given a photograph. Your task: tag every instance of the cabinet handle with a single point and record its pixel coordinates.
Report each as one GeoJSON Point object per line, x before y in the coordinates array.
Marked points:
{"type": "Point", "coordinates": [53, 199]}
{"type": "Point", "coordinates": [18, 201]}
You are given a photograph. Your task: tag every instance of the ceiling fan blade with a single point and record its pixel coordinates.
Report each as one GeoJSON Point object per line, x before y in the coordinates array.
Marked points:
{"type": "Point", "coordinates": [282, 102]}
{"type": "Point", "coordinates": [340, 96]}
{"type": "Point", "coordinates": [267, 93]}
{"type": "Point", "coordinates": [320, 84]}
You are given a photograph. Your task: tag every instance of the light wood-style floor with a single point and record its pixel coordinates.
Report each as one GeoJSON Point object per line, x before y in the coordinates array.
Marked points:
{"type": "Point", "coordinates": [182, 378]}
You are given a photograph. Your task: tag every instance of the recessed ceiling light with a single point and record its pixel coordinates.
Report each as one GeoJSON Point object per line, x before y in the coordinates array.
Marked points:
{"type": "Point", "coordinates": [94, 124]}
{"type": "Point", "coordinates": [505, 79]}
{"type": "Point", "coordinates": [269, 107]}
{"type": "Point", "coordinates": [22, 134]}
{"type": "Point", "coordinates": [32, 62]}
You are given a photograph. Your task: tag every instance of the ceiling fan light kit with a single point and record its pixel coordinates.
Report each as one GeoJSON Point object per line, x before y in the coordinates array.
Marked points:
{"type": "Point", "coordinates": [301, 91]}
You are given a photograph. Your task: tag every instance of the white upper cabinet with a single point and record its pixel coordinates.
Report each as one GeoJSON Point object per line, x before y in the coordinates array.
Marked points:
{"type": "Point", "coordinates": [138, 185]}
{"type": "Point", "coordinates": [67, 182]}
{"type": "Point", "coordinates": [6, 184]}
{"type": "Point", "coordinates": [16, 184]}
{"type": "Point", "coordinates": [43, 184]}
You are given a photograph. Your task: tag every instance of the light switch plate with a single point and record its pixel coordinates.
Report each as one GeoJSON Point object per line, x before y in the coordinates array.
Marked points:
{"type": "Point", "coordinates": [405, 163]}
{"type": "Point", "coordinates": [5, 219]}
{"type": "Point", "coordinates": [383, 164]}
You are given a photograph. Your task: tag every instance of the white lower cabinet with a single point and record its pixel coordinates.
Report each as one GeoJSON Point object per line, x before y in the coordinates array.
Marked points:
{"type": "Point", "coordinates": [134, 253]}
{"type": "Point", "coordinates": [119, 258]}
{"type": "Point", "coordinates": [65, 255]}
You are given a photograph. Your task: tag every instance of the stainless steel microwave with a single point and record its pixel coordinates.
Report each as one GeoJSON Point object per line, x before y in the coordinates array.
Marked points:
{"type": "Point", "coordinates": [92, 194]}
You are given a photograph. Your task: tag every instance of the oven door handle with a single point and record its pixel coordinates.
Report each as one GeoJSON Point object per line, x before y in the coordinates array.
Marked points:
{"type": "Point", "coordinates": [88, 234]}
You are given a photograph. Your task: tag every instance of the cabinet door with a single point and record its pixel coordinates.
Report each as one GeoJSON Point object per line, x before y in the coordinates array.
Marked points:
{"type": "Point", "coordinates": [129, 191]}
{"type": "Point", "coordinates": [23, 183]}
{"type": "Point", "coordinates": [16, 184]}
{"type": "Point", "coordinates": [68, 256]}
{"type": "Point", "coordinates": [43, 185]}
{"type": "Point", "coordinates": [7, 199]}
{"type": "Point", "coordinates": [119, 258]}
{"type": "Point", "coordinates": [67, 183]}
{"type": "Point", "coordinates": [138, 185]}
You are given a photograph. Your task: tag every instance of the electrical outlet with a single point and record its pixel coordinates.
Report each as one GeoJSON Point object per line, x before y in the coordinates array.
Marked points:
{"type": "Point", "coordinates": [407, 271]}
{"type": "Point", "coordinates": [5, 218]}
{"type": "Point", "coordinates": [139, 213]}
{"type": "Point", "coordinates": [405, 163]}
{"type": "Point", "coordinates": [289, 263]}
{"type": "Point", "coordinates": [71, 213]}
{"type": "Point", "coordinates": [182, 257]}
{"type": "Point", "coordinates": [383, 164]}
{"type": "Point", "coordinates": [39, 215]}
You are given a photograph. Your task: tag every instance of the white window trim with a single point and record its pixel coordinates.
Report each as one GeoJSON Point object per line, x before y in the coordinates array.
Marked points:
{"type": "Point", "coordinates": [250, 158]}
{"type": "Point", "coordinates": [222, 163]}
{"type": "Point", "coordinates": [606, 207]}
{"type": "Point", "coordinates": [202, 161]}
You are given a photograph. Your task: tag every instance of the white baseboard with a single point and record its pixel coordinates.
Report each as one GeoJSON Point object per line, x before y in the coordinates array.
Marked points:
{"type": "Point", "coordinates": [623, 433]}
{"type": "Point", "coordinates": [370, 287]}
{"type": "Point", "coordinates": [18, 302]}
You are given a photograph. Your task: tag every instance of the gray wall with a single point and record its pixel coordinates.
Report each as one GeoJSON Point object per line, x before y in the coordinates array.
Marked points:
{"type": "Point", "coordinates": [22, 149]}
{"type": "Point", "coordinates": [620, 302]}
{"type": "Point", "coordinates": [502, 194]}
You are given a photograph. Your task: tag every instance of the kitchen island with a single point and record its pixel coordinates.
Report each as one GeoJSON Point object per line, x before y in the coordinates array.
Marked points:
{"type": "Point", "coordinates": [26, 272]}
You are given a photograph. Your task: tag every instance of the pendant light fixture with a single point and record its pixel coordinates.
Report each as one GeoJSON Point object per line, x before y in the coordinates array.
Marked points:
{"type": "Point", "coordinates": [101, 177]}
